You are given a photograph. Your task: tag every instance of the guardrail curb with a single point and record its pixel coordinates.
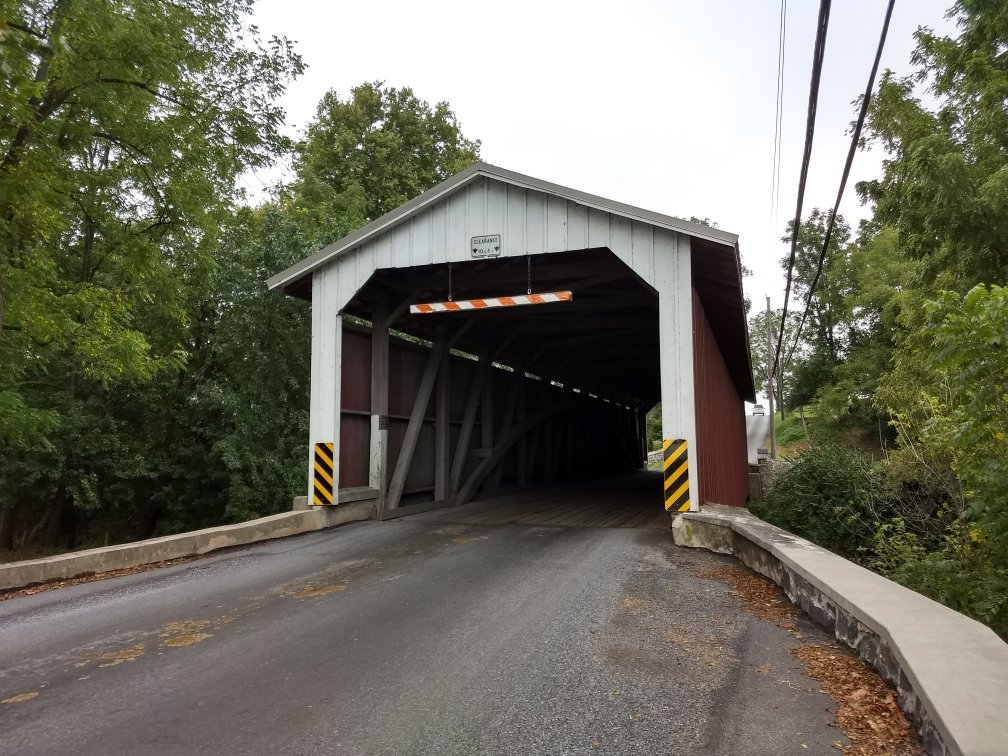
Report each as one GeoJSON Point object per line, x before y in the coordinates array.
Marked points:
{"type": "Point", "coordinates": [950, 672]}
{"type": "Point", "coordinates": [30, 572]}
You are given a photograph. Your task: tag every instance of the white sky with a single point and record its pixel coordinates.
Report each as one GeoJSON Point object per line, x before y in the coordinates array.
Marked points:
{"type": "Point", "coordinates": [665, 105]}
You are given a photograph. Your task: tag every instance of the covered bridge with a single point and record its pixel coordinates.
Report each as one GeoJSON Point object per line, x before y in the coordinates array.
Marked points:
{"type": "Point", "coordinates": [501, 331]}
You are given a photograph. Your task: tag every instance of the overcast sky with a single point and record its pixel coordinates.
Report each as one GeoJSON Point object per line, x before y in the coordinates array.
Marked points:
{"type": "Point", "coordinates": [666, 105]}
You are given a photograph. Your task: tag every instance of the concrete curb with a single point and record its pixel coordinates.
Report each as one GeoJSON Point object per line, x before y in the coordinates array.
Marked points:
{"type": "Point", "coordinates": [77, 563]}
{"type": "Point", "coordinates": [950, 672]}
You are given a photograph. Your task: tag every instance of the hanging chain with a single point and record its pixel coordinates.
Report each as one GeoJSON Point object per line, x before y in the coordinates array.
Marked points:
{"type": "Point", "coordinates": [529, 259]}
{"type": "Point", "coordinates": [449, 283]}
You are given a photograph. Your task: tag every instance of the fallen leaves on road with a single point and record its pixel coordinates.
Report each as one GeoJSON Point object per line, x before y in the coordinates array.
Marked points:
{"type": "Point", "coordinates": [32, 590]}
{"type": "Point", "coordinates": [313, 589]}
{"type": "Point", "coordinates": [189, 632]}
{"type": "Point", "coordinates": [762, 596]}
{"type": "Point", "coordinates": [705, 648]}
{"type": "Point", "coordinates": [868, 713]}
{"type": "Point", "coordinates": [468, 539]}
{"type": "Point", "coordinates": [20, 698]}
{"type": "Point", "coordinates": [114, 658]}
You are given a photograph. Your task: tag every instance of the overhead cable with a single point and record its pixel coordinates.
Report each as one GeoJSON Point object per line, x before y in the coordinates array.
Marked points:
{"type": "Point", "coordinates": [818, 54]}
{"type": "Point", "coordinates": [779, 115]}
{"type": "Point", "coordinates": [855, 140]}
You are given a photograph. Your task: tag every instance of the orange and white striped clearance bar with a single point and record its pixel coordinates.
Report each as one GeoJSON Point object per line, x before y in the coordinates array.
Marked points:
{"type": "Point", "coordinates": [481, 304]}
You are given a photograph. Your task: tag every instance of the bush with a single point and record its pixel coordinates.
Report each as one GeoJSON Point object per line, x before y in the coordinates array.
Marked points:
{"type": "Point", "coordinates": [967, 572]}
{"type": "Point", "coordinates": [830, 495]}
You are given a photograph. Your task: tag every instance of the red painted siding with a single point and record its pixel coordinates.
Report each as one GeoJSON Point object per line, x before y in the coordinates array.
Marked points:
{"type": "Point", "coordinates": [721, 457]}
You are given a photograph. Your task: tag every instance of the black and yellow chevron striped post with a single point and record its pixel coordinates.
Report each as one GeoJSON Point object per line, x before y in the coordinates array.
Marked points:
{"type": "Point", "coordinates": [323, 488]}
{"type": "Point", "coordinates": [675, 464]}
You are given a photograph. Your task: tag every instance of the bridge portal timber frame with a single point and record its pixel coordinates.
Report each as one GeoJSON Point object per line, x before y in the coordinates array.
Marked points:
{"type": "Point", "coordinates": [426, 410]}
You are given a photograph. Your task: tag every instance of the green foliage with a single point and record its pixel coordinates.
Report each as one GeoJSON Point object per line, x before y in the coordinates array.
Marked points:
{"type": "Point", "coordinates": [947, 396]}
{"type": "Point", "coordinates": [945, 187]}
{"type": "Point", "coordinates": [654, 427]}
{"type": "Point", "coordinates": [123, 129]}
{"type": "Point", "coordinates": [368, 154]}
{"type": "Point", "coordinates": [790, 429]}
{"type": "Point", "coordinates": [758, 349]}
{"type": "Point", "coordinates": [824, 309]}
{"type": "Point", "coordinates": [148, 381]}
{"type": "Point", "coordinates": [830, 496]}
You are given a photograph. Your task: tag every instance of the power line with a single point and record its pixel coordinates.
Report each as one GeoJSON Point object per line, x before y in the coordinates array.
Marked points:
{"type": "Point", "coordinates": [779, 115]}
{"type": "Point", "coordinates": [818, 53]}
{"type": "Point", "coordinates": [855, 139]}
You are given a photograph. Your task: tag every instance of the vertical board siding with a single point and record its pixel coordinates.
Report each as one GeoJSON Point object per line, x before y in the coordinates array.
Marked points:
{"type": "Point", "coordinates": [383, 251]}
{"type": "Point", "coordinates": [535, 223]}
{"type": "Point", "coordinates": [439, 231]}
{"type": "Point", "coordinates": [476, 194]}
{"type": "Point", "coordinates": [528, 221]}
{"type": "Point", "coordinates": [556, 224]}
{"type": "Point", "coordinates": [514, 229]}
{"type": "Point", "coordinates": [721, 452]}
{"type": "Point", "coordinates": [458, 243]}
{"type": "Point", "coordinates": [497, 209]}
{"type": "Point", "coordinates": [355, 442]}
{"type": "Point", "coordinates": [577, 226]}
{"type": "Point", "coordinates": [619, 239]}
{"type": "Point", "coordinates": [422, 252]}
{"type": "Point", "coordinates": [598, 228]}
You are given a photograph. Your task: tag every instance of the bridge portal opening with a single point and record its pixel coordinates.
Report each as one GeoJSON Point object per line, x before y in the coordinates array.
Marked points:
{"type": "Point", "coordinates": [418, 410]}
{"type": "Point", "coordinates": [482, 402]}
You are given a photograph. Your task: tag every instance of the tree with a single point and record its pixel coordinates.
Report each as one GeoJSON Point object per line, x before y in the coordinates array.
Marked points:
{"type": "Point", "coordinates": [758, 351]}
{"type": "Point", "coordinates": [366, 155]}
{"type": "Point", "coordinates": [825, 305]}
{"type": "Point", "coordinates": [944, 186]}
{"type": "Point", "coordinates": [123, 128]}
{"type": "Point", "coordinates": [948, 395]}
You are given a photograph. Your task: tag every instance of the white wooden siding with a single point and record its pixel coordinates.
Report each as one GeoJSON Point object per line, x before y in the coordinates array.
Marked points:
{"type": "Point", "coordinates": [529, 222]}
{"type": "Point", "coordinates": [675, 337]}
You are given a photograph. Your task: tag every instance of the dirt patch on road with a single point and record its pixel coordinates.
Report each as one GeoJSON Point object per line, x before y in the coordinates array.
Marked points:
{"type": "Point", "coordinates": [762, 596]}
{"type": "Point", "coordinates": [316, 589]}
{"type": "Point", "coordinates": [21, 698]}
{"type": "Point", "coordinates": [868, 713]}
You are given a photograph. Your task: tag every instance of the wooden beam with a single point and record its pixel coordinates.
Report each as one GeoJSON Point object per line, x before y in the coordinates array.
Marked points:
{"type": "Point", "coordinates": [469, 419]}
{"type": "Point", "coordinates": [487, 414]}
{"type": "Point", "coordinates": [434, 361]}
{"type": "Point", "coordinates": [507, 421]}
{"type": "Point", "coordinates": [522, 444]}
{"type": "Point", "coordinates": [442, 425]}
{"type": "Point", "coordinates": [378, 458]}
{"type": "Point", "coordinates": [506, 441]}
{"type": "Point", "coordinates": [403, 307]}
{"type": "Point", "coordinates": [487, 356]}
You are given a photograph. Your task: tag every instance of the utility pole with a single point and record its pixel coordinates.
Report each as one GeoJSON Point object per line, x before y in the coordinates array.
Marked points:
{"type": "Point", "coordinates": [769, 382]}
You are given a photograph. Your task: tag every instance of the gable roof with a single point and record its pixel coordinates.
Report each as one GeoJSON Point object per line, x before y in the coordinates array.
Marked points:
{"type": "Point", "coordinates": [292, 275]}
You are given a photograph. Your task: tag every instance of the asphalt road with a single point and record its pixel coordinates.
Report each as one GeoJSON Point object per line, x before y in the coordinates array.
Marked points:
{"type": "Point", "coordinates": [757, 428]}
{"type": "Point", "coordinates": [410, 637]}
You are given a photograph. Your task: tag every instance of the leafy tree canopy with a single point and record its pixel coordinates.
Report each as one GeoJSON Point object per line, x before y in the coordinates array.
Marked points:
{"type": "Point", "coordinates": [366, 155]}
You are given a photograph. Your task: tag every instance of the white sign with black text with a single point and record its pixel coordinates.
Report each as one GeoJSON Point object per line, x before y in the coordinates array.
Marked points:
{"type": "Point", "coordinates": [486, 246]}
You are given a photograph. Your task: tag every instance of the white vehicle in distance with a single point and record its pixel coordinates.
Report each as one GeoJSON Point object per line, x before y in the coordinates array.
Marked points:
{"type": "Point", "coordinates": [758, 409]}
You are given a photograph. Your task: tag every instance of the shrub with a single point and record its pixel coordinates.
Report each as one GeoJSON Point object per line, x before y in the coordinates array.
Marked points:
{"type": "Point", "coordinates": [830, 495]}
